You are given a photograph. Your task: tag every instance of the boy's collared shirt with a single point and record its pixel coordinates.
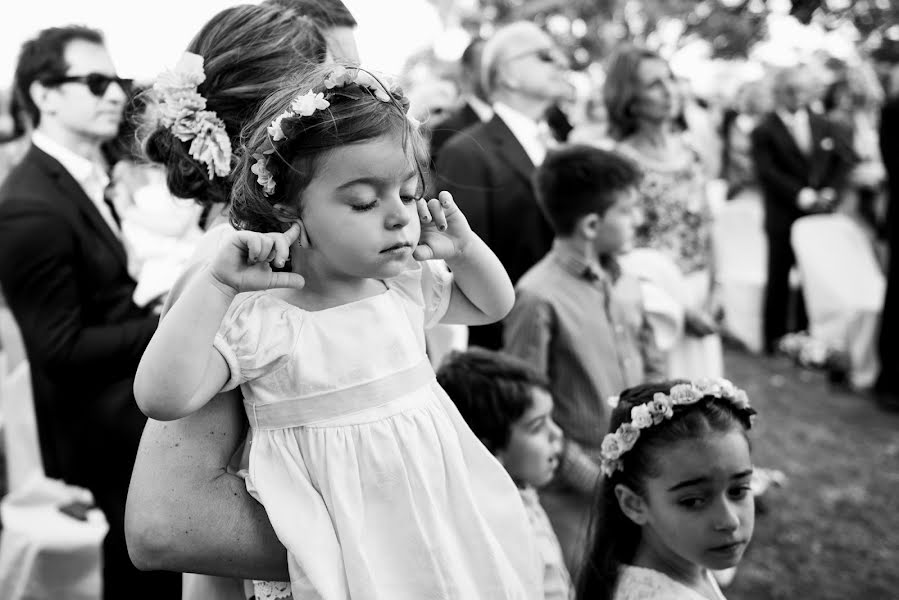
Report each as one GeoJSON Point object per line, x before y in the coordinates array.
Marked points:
{"type": "Point", "coordinates": [556, 580]}
{"type": "Point", "coordinates": [587, 332]}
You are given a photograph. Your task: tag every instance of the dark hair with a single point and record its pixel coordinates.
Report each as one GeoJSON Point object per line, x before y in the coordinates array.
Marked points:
{"type": "Point", "coordinates": [43, 58]}
{"type": "Point", "coordinates": [354, 115]}
{"type": "Point", "coordinates": [325, 13]}
{"type": "Point", "coordinates": [248, 52]}
{"type": "Point", "coordinates": [614, 537]}
{"type": "Point", "coordinates": [833, 93]}
{"type": "Point", "coordinates": [621, 87]}
{"type": "Point", "coordinates": [577, 180]}
{"type": "Point", "coordinates": [471, 56]}
{"type": "Point", "coordinates": [491, 390]}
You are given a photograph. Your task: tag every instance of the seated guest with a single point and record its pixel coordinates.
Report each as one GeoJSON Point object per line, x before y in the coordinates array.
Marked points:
{"type": "Point", "coordinates": [580, 322]}
{"type": "Point", "coordinates": [508, 406]}
{"type": "Point", "coordinates": [64, 271]}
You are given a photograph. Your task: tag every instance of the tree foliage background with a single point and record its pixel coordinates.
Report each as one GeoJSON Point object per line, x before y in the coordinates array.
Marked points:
{"type": "Point", "coordinates": [732, 27]}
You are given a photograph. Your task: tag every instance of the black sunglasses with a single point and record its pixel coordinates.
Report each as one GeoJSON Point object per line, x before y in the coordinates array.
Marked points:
{"type": "Point", "coordinates": [97, 83]}
{"type": "Point", "coordinates": [546, 55]}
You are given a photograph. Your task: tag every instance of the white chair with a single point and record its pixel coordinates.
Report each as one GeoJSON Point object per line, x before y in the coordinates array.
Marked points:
{"type": "Point", "coordinates": [843, 287]}
{"type": "Point", "coordinates": [44, 553]}
{"type": "Point", "coordinates": [742, 254]}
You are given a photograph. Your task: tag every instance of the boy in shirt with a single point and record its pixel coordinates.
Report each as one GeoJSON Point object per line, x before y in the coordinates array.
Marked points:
{"type": "Point", "coordinates": [508, 406]}
{"type": "Point", "coordinates": [580, 322]}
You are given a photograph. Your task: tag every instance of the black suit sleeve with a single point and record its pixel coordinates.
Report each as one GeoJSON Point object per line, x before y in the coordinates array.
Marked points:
{"type": "Point", "coordinates": [462, 171]}
{"type": "Point", "coordinates": [889, 141]}
{"type": "Point", "coordinates": [771, 175]}
{"type": "Point", "coordinates": [41, 286]}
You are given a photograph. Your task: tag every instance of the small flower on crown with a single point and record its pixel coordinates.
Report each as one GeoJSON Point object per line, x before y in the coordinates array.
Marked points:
{"type": "Point", "coordinates": [660, 408]}
{"type": "Point", "coordinates": [184, 112]}
{"type": "Point", "coordinates": [305, 105]}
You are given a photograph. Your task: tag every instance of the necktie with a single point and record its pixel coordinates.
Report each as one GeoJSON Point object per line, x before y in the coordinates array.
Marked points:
{"type": "Point", "coordinates": [108, 195]}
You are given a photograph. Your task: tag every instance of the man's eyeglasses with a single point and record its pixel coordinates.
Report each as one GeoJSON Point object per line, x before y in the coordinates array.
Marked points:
{"type": "Point", "coordinates": [97, 83]}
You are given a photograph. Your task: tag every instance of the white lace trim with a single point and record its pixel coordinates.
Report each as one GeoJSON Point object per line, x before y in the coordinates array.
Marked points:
{"type": "Point", "coordinates": [272, 590]}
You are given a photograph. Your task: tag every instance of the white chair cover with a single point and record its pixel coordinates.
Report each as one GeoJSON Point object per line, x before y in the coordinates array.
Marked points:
{"type": "Point", "coordinates": [844, 289]}
{"type": "Point", "coordinates": [44, 554]}
{"type": "Point", "coordinates": [741, 257]}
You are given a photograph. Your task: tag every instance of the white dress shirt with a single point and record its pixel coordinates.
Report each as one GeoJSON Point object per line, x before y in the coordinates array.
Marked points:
{"type": "Point", "coordinates": [525, 130]}
{"type": "Point", "coordinates": [90, 176]}
{"type": "Point", "coordinates": [483, 110]}
{"type": "Point", "coordinates": [798, 125]}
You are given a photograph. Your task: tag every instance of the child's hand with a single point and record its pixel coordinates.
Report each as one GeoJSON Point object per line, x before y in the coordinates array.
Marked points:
{"type": "Point", "coordinates": [245, 258]}
{"type": "Point", "coordinates": [444, 229]}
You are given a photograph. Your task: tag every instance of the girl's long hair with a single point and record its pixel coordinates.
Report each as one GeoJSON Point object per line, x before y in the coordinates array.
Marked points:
{"type": "Point", "coordinates": [614, 538]}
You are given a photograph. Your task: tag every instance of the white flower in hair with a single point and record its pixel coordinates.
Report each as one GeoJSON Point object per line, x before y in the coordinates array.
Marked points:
{"type": "Point", "coordinates": [366, 79]}
{"type": "Point", "coordinates": [641, 417]}
{"type": "Point", "coordinates": [187, 74]}
{"type": "Point", "coordinates": [661, 407]}
{"type": "Point", "coordinates": [275, 131]}
{"type": "Point", "coordinates": [183, 111]}
{"type": "Point", "coordinates": [263, 176]}
{"type": "Point", "coordinates": [305, 105]}
{"type": "Point", "coordinates": [338, 77]}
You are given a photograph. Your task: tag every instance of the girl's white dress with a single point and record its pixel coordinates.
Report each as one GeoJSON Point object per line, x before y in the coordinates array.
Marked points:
{"type": "Point", "coordinates": [639, 583]}
{"type": "Point", "coordinates": [370, 477]}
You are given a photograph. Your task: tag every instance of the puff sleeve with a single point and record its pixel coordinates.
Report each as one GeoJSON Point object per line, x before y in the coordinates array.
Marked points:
{"type": "Point", "coordinates": [257, 336]}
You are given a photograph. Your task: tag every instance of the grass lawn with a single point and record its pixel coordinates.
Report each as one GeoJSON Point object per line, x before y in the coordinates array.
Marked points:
{"type": "Point", "coordinates": [832, 532]}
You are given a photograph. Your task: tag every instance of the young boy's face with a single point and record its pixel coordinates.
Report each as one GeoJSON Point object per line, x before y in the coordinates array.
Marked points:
{"type": "Point", "coordinates": [535, 443]}
{"type": "Point", "coordinates": [615, 232]}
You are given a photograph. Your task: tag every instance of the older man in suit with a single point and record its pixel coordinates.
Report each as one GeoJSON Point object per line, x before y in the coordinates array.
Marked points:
{"type": "Point", "coordinates": [488, 166]}
{"type": "Point", "coordinates": [474, 109]}
{"type": "Point", "coordinates": [64, 272]}
{"type": "Point", "coordinates": [802, 161]}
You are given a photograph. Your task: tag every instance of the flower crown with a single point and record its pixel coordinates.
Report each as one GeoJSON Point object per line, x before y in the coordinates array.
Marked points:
{"type": "Point", "coordinates": [184, 112]}
{"type": "Point", "coordinates": [314, 100]}
{"type": "Point", "coordinates": [661, 407]}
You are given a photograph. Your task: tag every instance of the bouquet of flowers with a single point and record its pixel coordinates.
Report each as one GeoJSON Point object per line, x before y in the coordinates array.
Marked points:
{"type": "Point", "coordinates": [812, 353]}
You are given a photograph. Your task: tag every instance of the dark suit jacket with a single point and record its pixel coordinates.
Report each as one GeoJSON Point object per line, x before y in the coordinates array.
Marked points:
{"type": "Point", "coordinates": [463, 117]}
{"type": "Point", "coordinates": [888, 381]}
{"type": "Point", "coordinates": [783, 169]}
{"type": "Point", "coordinates": [64, 274]}
{"type": "Point", "coordinates": [489, 174]}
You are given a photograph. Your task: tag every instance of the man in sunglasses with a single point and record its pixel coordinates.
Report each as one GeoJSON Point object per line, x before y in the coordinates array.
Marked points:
{"type": "Point", "coordinates": [64, 273]}
{"type": "Point", "coordinates": [488, 166]}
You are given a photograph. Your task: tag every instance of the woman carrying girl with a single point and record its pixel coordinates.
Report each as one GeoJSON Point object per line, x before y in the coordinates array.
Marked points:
{"type": "Point", "coordinates": [675, 502]}
{"type": "Point", "coordinates": [188, 509]}
{"type": "Point", "coordinates": [316, 305]}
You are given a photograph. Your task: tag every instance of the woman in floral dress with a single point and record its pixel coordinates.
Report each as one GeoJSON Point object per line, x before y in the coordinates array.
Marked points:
{"type": "Point", "coordinates": [673, 243]}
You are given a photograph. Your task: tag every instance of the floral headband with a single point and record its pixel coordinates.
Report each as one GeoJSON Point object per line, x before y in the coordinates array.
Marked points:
{"type": "Point", "coordinates": [661, 407]}
{"type": "Point", "coordinates": [315, 99]}
{"type": "Point", "coordinates": [184, 112]}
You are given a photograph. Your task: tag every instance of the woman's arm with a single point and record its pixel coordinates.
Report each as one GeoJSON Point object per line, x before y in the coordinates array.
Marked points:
{"type": "Point", "coordinates": [186, 512]}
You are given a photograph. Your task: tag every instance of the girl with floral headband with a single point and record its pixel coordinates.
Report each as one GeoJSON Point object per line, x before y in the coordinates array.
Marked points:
{"type": "Point", "coordinates": [675, 502]}
{"type": "Point", "coordinates": [316, 306]}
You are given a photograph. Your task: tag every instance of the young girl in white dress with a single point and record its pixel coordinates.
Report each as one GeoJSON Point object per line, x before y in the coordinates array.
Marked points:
{"type": "Point", "coordinates": [675, 501]}
{"type": "Point", "coordinates": [316, 306]}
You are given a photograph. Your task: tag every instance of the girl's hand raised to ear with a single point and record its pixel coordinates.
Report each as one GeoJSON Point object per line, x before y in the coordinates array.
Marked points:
{"type": "Point", "coordinates": [444, 229]}
{"type": "Point", "coordinates": [245, 258]}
